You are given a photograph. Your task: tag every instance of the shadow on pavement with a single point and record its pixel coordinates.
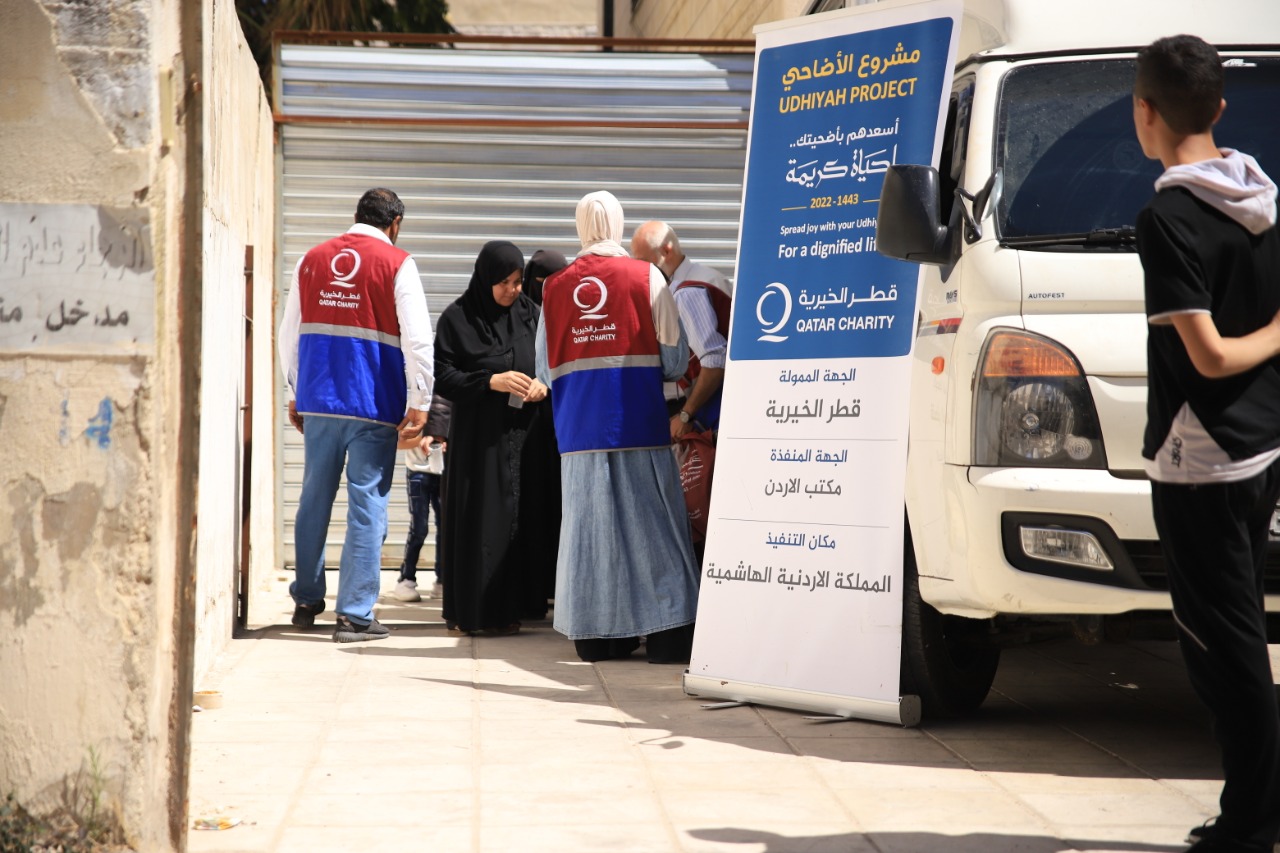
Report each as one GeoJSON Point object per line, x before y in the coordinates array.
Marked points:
{"type": "Point", "coordinates": [923, 842]}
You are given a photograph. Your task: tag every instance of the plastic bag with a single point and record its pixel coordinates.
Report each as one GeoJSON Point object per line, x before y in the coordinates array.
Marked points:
{"type": "Point", "coordinates": [696, 456]}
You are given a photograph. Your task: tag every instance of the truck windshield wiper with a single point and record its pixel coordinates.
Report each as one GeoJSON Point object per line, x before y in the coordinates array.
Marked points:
{"type": "Point", "coordinates": [1121, 236]}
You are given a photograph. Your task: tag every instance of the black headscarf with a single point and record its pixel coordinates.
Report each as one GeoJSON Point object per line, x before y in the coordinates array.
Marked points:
{"type": "Point", "coordinates": [543, 263]}
{"type": "Point", "coordinates": [491, 328]}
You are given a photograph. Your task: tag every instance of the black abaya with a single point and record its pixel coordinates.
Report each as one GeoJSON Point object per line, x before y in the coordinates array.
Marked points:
{"type": "Point", "coordinates": [486, 586]}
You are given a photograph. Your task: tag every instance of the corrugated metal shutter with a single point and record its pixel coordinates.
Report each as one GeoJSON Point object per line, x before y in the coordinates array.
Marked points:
{"type": "Point", "coordinates": [348, 118]}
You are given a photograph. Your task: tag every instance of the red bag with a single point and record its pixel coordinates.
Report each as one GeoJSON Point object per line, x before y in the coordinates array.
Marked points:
{"type": "Point", "coordinates": [696, 455]}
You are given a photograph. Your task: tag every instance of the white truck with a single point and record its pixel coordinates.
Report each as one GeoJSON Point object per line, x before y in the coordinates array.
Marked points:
{"type": "Point", "coordinates": [1026, 500]}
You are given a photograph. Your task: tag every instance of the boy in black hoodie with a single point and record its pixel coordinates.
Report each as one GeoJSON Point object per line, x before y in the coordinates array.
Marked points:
{"type": "Point", "coordinates": [1211, 259]}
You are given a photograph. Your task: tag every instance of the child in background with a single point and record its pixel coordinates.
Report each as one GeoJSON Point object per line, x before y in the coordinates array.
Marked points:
{"type": "Point", "coordinates": [424, 470]}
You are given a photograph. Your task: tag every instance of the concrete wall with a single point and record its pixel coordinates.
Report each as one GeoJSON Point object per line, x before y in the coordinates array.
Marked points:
{"type": "Point", "coordinates": [709, 19]}
{"type": "Point", "coordinates": [107, 240]}
{"type": "Point", "coordinates": [91, 547]}
{"type": "Point", "coordinates": [530, 17]}
{"type": "Point", "coordinates": [239, 205]}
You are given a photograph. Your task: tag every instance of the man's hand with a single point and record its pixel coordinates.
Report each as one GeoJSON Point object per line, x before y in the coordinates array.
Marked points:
{"type": "Point", "coordinates": [411, 426]}
{"type": "Point", "coordinates": [679, 428]}
{"type": "Point", "coordinates": [294, 417]}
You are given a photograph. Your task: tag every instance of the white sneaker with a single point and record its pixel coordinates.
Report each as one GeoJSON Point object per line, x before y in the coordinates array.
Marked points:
{"type": "Point", "coordinates": [437, 590]}
{"type": "Point", "coordinates": [406, 590]}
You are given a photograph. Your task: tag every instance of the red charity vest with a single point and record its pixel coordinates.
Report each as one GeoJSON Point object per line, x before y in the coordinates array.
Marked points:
{"type": "Point", "coordinates": [350, 281]}
{"type": "Point", "coordinates": [604, 356]}
{"type": "Point", "coordinates": [349, 359]}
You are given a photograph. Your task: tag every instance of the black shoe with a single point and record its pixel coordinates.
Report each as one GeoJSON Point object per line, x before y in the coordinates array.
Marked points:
{"type": "Point", "coordinates": [1208, 829]}
{"type": "Point", "coordinates": [304, 615]}
{"type": "Point", "coordinates": [595, 649]}
{"type": "Point", "coordinates": [674, 645]}
{"type": "Point", "coordinates": [346, 631]}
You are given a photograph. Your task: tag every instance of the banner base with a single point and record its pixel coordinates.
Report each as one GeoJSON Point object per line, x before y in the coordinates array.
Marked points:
{"type": "Point", "coordinates": [904, 712]}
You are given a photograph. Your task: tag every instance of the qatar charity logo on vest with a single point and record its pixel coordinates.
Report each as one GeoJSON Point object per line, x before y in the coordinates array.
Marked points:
{"type": "Point", "coordinates": [344, 266]}
{"type": "Point", "coordinates": [602, 348]}
{"type": "Point", "coordinates": [590, 297]}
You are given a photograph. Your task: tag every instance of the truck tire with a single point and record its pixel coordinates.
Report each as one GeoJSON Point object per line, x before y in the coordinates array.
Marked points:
{"type": "Point", "coordinates": [945, 660]}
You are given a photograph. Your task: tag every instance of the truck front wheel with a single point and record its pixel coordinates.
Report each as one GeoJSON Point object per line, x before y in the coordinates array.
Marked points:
{"type": "Point", "coordinates": [946, 660]}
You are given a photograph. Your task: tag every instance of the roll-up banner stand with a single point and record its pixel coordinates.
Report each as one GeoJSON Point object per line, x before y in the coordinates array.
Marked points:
{"type": "Point", "coordinates": [801, 600]}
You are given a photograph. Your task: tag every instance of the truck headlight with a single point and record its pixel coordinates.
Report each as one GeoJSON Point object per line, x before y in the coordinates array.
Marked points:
{"type": "Point", "coordinates": [1033, 406]}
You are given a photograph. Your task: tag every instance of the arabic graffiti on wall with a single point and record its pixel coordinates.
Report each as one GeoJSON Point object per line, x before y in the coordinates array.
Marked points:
{"type": "Point", "coordinates": [76, 278]}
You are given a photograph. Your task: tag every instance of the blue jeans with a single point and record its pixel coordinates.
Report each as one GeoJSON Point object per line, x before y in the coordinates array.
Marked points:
{"type": "Point", "coordinates": [368, 451]}
{"type": "Point", "coordinates": [424, 498]}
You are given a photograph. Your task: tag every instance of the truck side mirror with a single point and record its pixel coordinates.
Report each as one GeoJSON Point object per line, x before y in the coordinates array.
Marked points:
{"type": "Point", "coordinates": [909, 225]}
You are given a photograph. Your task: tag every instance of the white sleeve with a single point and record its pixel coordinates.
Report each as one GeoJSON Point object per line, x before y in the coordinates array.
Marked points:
{"type": "Point", "coordinates": [700, 322]}
{"type": "Point", "coordinates": [287, 338]}
{"type": "Point", "coordinates": [415, 335]}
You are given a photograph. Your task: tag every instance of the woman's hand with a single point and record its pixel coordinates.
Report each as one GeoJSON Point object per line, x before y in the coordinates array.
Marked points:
{"type": "Point", "coordinates": [511, 382]}
{"type": "Point", "coordinates": [537, 391]}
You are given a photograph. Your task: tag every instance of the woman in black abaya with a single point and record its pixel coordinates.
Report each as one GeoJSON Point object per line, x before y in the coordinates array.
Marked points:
{"type": "Point", "coordinates": [485, 365]}
{"type": "Point", "coordinates": [541, 520]}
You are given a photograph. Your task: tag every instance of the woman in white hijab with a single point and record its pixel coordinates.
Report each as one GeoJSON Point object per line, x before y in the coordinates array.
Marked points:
{"type": "Point", "coordinates": [626, 566]}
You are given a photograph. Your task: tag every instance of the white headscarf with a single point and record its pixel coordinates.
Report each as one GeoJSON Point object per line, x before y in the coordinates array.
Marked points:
{"type": "Point", "coordinates": [599, 218]}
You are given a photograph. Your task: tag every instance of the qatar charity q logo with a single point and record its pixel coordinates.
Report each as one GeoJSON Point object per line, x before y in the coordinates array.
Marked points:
{"type": "Point", "coordinates": [340, 278]}
{"type": "Point", "coordinates": [591, 312]}
{"type": "Point", "coordinates": [771, 330]}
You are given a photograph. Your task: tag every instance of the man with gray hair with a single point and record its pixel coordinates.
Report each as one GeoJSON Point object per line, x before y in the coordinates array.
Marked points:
{"type": "Point", "coordinates": [702, 296]}
{"type": "Point", "coordinates": [609, 337]}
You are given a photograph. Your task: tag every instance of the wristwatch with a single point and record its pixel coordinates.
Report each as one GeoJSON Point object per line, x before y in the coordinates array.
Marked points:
{"type": "Point", "coordinates": [684, 416]}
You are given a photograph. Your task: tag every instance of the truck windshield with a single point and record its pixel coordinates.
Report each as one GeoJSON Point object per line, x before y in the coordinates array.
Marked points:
{"type": "Point", "coordinates": [1073, 170]}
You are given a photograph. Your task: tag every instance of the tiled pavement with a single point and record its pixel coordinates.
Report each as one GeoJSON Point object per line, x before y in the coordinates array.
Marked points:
{"type": "Point", "coordinates": [429, 742]}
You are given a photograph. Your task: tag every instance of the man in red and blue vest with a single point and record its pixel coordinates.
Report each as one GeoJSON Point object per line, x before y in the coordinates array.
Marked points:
{"type": "Point", "coordinates": [355, 348]}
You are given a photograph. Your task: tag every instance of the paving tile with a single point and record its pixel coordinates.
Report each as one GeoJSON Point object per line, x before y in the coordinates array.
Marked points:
{"type": "Point", "coordinates": [268, 707]}
{"type": "Point", "coordinates": [681, 718]}
{"type": "Point", "coordinates": [262, 817]}
{"type": "Point", "coordinates": [364, 709]}
{"type": "Point", "coordinates": [463, 745]}
{"type": "Point", "coordinates": [527, 749]}
{"type": "Point", "coordinates": [881, 810]}
{"type": "Point", "coordinates": [919, 750]}
{"type": "Point", "coordinates": [732, 775]}
{"type": "Point", "coordinates": [863, 775]}
{"type": "Point", "coordinates": [339, 754]}
{"type": "Point", "coordinates": [534, 807]}
{"type": "Point", "coordinates": [1123, 782]}
{"type": "Point", "coordinates": [1053, 746]}
{"type": "Point", "coordinates": [216, 727]}
{"type": "Point", "coordinates": [767, 751]}
{"type": "Point", "coordinates": [1112, 808]}
{"type": "Point", "coordinates": [759, 808]}
{"type": "Point", "coordinates": [569, 777]}
{"type": "Point", "coordinates": [247, 775]}
{"type": "Point", "coordinates": [422, 834]}
{"type": "Point", "coordinates": [410, 733]}
{"type": "Point", "coordinates": [1140, 836]}
{"type": "Point", "coordinates": [779, 838]}
{"type": "Point", "coordinates": [368, 779]}
{"type": "Point", "coordinates": [586, 833]}
{"type": "Point", "coordinates": [385, 806]}
{"type": "Point", "coordinates": [995, 840]}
